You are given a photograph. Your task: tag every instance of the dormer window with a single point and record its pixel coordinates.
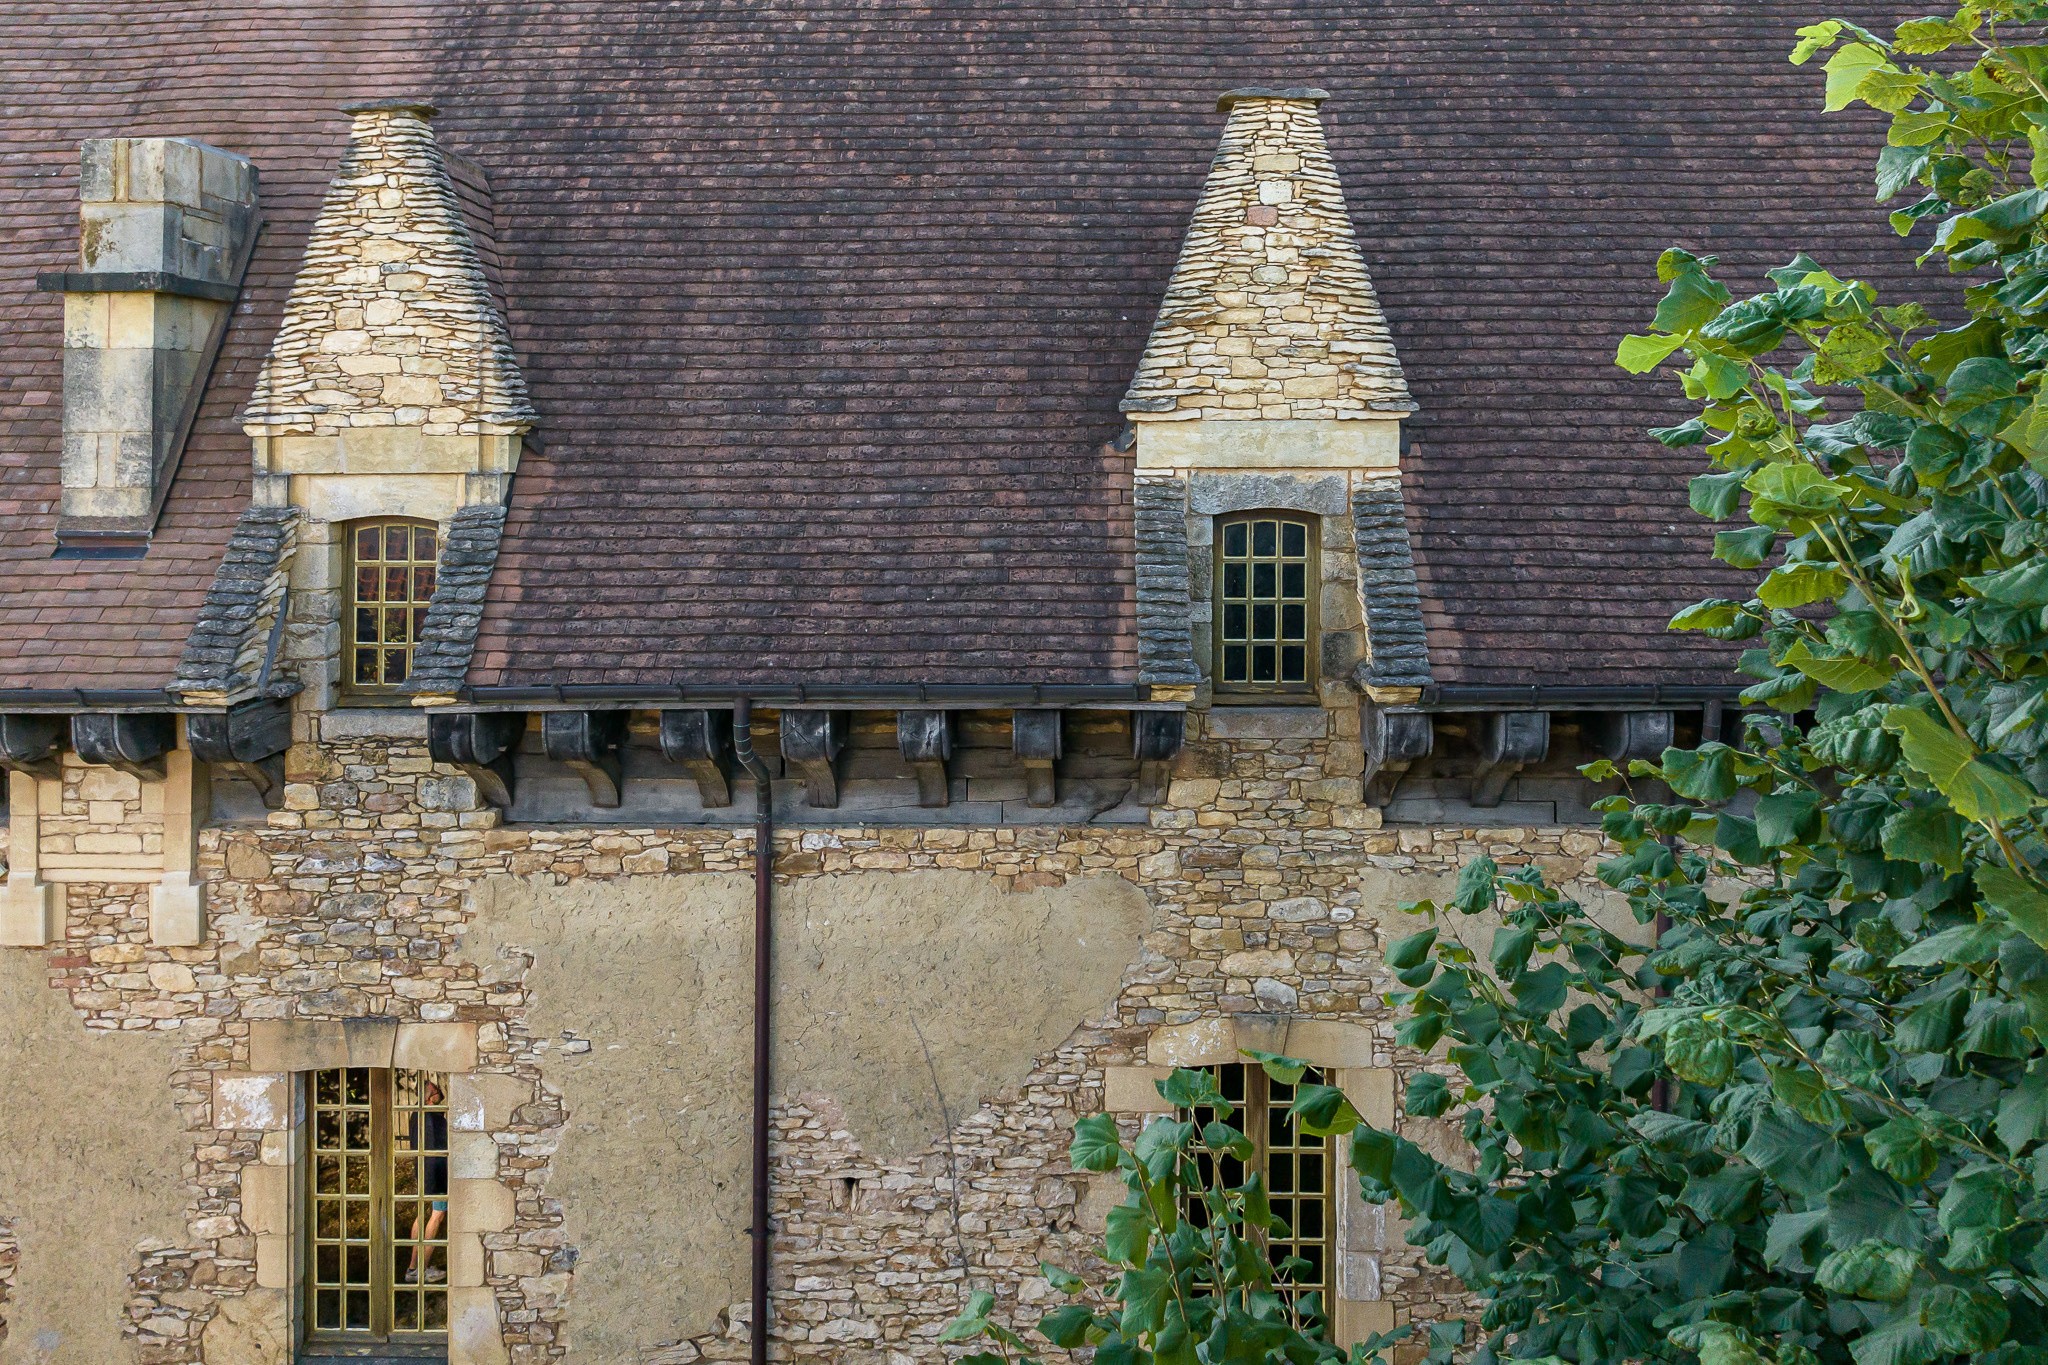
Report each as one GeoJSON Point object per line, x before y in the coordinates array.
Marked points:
{"type": "Point", "coordinates": [391, 581]}
{"type": "Point", "coordinates": [1265, 599]}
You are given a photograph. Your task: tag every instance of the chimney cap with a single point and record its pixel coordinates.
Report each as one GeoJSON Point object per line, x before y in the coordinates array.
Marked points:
{"type": "Point", "coordinates": [424, 108]}
{"type": "Point", "coordinates": [1306, 93]}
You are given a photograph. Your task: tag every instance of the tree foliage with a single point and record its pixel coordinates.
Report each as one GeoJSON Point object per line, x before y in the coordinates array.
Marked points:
{"type": "Point", "coordinates": [1188, 1290]}
{"type": "Point", "coordinates": [1804, 1120]}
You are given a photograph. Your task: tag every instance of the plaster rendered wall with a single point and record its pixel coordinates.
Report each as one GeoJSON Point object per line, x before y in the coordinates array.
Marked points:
{"type": "Point", "coordinates": [93, 1157]}
{"type": "Point", "coordinates": [900, 997]}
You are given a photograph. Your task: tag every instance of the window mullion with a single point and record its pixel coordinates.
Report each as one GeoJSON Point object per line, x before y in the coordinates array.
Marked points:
{"type": "Point", "coordinates": [380, 1204]}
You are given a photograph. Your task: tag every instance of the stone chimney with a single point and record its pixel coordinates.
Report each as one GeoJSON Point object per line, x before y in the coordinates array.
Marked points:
{"type": "Point", "coordinates": [391, 387]}
{"type": "Point", "coordinates": [166, 226]}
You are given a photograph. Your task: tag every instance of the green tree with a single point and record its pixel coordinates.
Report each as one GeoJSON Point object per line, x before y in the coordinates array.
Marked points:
{"type": "Point", "coordinates": [1195, 1283]}
{"type": "Point", "coordinates": [1807, 1122]}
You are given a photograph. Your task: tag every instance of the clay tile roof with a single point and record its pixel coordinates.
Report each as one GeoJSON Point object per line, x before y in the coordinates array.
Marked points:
{"type": "Point", "coordinates": [826, 310]}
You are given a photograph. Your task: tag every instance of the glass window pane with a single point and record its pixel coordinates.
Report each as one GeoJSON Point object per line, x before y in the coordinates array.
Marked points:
{"type": "Point", "coordinates": [1264, 664]}
{"type": "Point", "coordinates": [1233, 621]}
{"type": "Point", "coordinates": [1264, 537]}
{"type": "Point", "coordinates": [1234, 540]}
{"type": "Point", "coordinates": [1293, 538]}
{"type": "Point", "coordinates": [394, 666]}
{"type": "Point", "coordinates": [1234, 664]}
{"type": "Point", "coordinates": [1293, 663]}
{"type": "Point", "coordinates": [1294, 622]}
{"type": "Point", "coordinates": [369, 540]}
{"type": "Point", "coordinates": [1233, 580]}
{"type": "Point", "coordinates": [1262, 580]}
{"type": "Point", "coordinates": [423, 542]}
{"type": "Point", "coordinates": [422, 582]}
{"type": "Point", "coordinates": [1294, 580]}
{"type": "Point", "coordinates": [1264, 620]}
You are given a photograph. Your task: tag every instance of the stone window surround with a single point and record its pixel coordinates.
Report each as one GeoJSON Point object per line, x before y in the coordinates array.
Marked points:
{"type": "Point", "coordinates": [271, 1098]}
{"type": "Point", "coordinates": [1321, 494]}
{"type": "Point", "coordinates": [1342, 1049]}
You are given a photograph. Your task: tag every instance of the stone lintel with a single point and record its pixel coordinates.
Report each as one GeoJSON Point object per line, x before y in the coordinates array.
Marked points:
{"type": "Point", "coordinates": [1311, 445]}
{"type": "Point", "coordinates": [1304, 94]}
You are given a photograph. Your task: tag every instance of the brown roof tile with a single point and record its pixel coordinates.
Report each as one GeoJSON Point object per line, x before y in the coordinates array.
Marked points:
{"type": "Point", "coordinates": [827, 308]}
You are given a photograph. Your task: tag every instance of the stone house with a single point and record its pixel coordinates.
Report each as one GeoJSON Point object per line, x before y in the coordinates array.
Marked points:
{"type": "Point", "coordinates": [455, 456]}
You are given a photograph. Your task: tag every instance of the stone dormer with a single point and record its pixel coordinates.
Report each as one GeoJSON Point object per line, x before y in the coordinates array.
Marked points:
{"type": "Point", "coordinates": [391, 386]}
{"type": "Point", "coordinates": [390, 394]}
{"type": "Point", "coordinates": [1270, 315]}
{"type": "Point", "coordinates": [1270, 384]}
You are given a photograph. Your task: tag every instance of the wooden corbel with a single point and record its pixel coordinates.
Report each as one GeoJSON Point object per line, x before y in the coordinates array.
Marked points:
{"type": "Point", "coordinates": [481, 743]}
{"type": "Point", "coordinates": [700, 742]}
{"type": "Point", "coordinates": [1156, 739]}
{"type": "Point", "coordinates": [1394, 740]}
{"type": "Point", "coordinates": [1508, 742]}
{"type": "Point", "coordinates": [132, 742]}
{"type": "Point", "coordinates": [249, 739]}
{"type": "Point", "coordinates": [811, 741]}
{"type": "Point", "coordinates": [1623, 735]}
{"type": "Point", "coordinates": [926, 739]}
{"type": "Point", "coordinates": [1035, 737]}
{"type": "Point", "coordinates": [588, 741]}
{"type": "Point", "coordinates": [32, 744]}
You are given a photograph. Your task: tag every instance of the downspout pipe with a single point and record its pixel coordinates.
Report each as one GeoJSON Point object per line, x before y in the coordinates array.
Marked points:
{"type": "Point", "coordinates": [764, 880]}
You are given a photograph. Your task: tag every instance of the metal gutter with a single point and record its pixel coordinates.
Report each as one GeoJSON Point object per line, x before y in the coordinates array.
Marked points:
{"type": "Point", "coordinates": [1653, 697]}
{"type": "Point", "coordinates": [878, 695]}
{"type": "Point", "coordinates": [69, 699]}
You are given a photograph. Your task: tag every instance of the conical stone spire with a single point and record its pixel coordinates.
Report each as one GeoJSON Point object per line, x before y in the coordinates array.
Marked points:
{"type": "Point", "coordinates": [390, 322]}
{"type": "Point", "coordinates": [1270, 313]}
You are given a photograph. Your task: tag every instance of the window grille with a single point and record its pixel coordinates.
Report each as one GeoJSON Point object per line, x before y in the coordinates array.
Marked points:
{"type": "Point", "coordinates": [1265, 603]}
{"type": "Point", "coordinates": [377, 1237]}
{"type": "Point", "coordinates": [391, 580]}
{"type": "Point", "coordinates": [1300, 1174]}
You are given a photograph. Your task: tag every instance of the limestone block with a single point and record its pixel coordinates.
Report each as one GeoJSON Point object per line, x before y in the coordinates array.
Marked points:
{"type": "Point", "coordinates": [474, 1337]}
{"type": "Point", "coordinates": [445, 1047]}
{"type": "Point", "coordinates": [251, 1101]}
{"type": "Point", "coordinates": [482, 1101]}
{"type": "Point", "coordinates": [1329, 1042]}
{"type": "Point", "coordinates": [472, 1156]}
{"type": "Point", "coordinates": [1131, 1089]}
{"type": "Point", "coordinates": [316, 1044]}
{"type": "Point", "coordinates": [31, 913]}
{"type": "Point", "coordinates": [252, 1329]}
{"type": "Point", "coordinates": [1371, 1091]}
{"type": "Point", "coordinates": [266, 1199]}
{"type": "Point", "coordinates": [274, 1261]}
{"type": "Point", "coordinates": [177, 911]}
{"type": "Point", "coordinates": [479, 1206]}
{"type": "Point", "coordinates": [1325, 495]}
{"type": "Point", "coordinates": [465, 1260]}
{"type": "Point", "coordinates": [1355, 1320]}
{"type": "Point", "coordinates": [1205, 1042]}
{"type": "Point", "coordinates": [1268, 722]}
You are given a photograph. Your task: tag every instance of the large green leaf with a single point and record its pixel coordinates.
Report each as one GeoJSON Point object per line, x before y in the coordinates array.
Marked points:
{"type": "Point", "coordinates": [1869, 1270]}
{"type": "Point", "coordinates": [1799, 585]}
{"type": "Point", "coordinates": [1128, 1231]}
{"type": "Point", "coordinates": [1977, 790]}
{"type": "Point", "coordinates": [2018, 899]}
{"type": "Point", "coordinates": [1842, 672]}
{"type": "Point", "coordinates": [1096, 1145]}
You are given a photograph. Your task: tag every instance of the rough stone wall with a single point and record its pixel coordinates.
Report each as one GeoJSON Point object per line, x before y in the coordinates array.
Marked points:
{"type": "Point", "coordinates": [390, 321]}
{"type": "Point", "coordinates": [1270, 312]}
{"type": "Point", "coordinates": [1267, 891]}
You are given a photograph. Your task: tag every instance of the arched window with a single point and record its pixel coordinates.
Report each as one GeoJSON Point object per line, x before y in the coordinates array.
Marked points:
{"type": "Point", "coordinates": [1265, 603]}
{"type": "Point", "coordinates": [391, 579]}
